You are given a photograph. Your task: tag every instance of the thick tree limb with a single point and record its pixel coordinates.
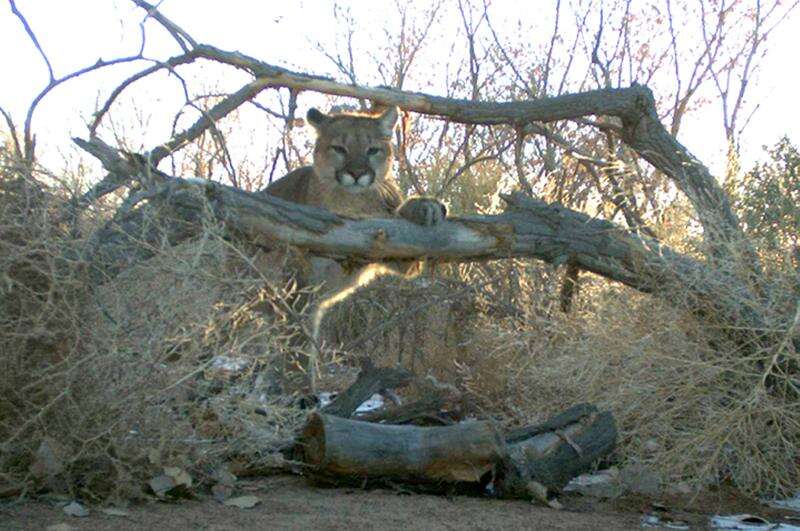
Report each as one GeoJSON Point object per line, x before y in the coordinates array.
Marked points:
{"type": "Point", "coordinates": [634, 106]}
{"type": "Point", "coordinates": [465, 454]}
{"type": "Point", "coordinates": [528, 228]}
{"type": "Point", "coordinates": [370, 380]}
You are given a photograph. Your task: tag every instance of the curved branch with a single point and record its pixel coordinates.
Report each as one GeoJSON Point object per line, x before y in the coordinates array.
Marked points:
{"type": "Point", "coordinates": [169, 63]}
{"type": "Point", "coordinates": [634, 106]}
{"type": "Point", "coordinates": [528, 228]}
{"type": "Point", "coordinates": [33, 38]}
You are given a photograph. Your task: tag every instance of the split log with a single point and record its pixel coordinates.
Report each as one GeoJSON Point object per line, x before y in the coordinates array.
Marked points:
{"type": "Point", "coordinates": [526, 463]}
{"type": "Point", "coordinates": [554, 452]}
{"type": "Point", "coordinates": [355, 449]}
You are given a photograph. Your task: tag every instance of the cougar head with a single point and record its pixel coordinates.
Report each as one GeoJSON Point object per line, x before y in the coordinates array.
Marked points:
{"type": "Point", "coordinates": [352, 150]}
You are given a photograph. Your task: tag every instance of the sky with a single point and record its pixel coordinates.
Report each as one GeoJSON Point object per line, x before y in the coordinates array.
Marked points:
{"type": "Point", "coordinates": [75, 34]}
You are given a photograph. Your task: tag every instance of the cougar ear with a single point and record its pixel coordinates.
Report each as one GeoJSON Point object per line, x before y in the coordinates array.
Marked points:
{"type": "Point", "coordinates": [316, 117]}
{"type": "Point", "coordinates": [388, 119]}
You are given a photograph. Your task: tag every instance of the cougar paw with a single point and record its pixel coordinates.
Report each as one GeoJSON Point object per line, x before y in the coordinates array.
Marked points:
{"type": "Point", "coordinates": [423, 211]}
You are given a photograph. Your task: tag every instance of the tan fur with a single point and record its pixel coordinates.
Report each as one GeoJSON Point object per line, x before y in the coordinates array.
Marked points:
{"type": "Point", "coordinates": [317, 185]}
{"type": "Point", "coordinates": [352, 176]}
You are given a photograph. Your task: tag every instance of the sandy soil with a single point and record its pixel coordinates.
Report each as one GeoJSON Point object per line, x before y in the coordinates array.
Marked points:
{"type": "Point", "coordinates": [291, 503]}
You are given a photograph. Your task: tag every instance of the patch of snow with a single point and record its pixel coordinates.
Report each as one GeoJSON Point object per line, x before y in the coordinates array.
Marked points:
{"type": "Point", "coordinates": [748, 522]}
{"type": "Point", "coordinates": [226, 363]}
{"type": "Point", "coordinates": [792, 504]}
{"type": "Point", "coordinates": [374, 402]}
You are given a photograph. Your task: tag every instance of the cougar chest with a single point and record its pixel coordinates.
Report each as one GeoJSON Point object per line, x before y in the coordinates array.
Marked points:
{"type": "Point", "coordinates": [337, 199]}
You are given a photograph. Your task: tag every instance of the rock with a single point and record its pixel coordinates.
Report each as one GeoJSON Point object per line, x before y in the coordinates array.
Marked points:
{"type": "Point", "coordinates": [652, 446]}
{"type": "Point", "coordinates": [76, 509]}
{"type": "Point", "coordinates": [639, 479]}
{"type": "Point", "coordinates": [680, 488]}
{"type": "Point", "coordinates": [603, 484]}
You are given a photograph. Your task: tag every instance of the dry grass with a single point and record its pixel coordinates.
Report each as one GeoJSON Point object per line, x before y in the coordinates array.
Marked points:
{"type": "Point", "coordinates": [107, 378]}
{"type": "Point", "coordinates": [104, 383]}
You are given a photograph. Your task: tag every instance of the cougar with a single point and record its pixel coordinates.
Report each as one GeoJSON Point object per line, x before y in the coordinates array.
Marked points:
{"type": "Point", "coordinates": [352, 176]}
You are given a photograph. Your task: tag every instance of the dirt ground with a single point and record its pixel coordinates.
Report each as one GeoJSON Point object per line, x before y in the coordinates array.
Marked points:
{"type": "Point", "coordinates": [291, 503]}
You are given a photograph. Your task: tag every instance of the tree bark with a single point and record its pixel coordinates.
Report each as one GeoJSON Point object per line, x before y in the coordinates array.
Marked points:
{"type": "Point", "coordinates": [554, 452]}
{"type": "Point", "coordinates": [634, 106]}
{"type": "Point", "coordinates": [351, 448]}
{"type": "Point", "coordinates": [528, 228]}
{"type": "Point", "coordinates": [470, 453]}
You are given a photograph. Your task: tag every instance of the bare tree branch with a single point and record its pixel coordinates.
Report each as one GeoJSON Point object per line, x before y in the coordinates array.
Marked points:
{"type": "Point", "coordinates": [33, 38]}
{"type": "Point", "coordinates": [12, 131]}
{"type": "Point", "coordinates": [528, 227]}
{"type": "Point", "coordinates": [184, 40]}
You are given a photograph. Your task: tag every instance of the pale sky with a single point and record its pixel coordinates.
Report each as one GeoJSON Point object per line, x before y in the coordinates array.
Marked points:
{"type": "Point", "coordinates": [75, 33]}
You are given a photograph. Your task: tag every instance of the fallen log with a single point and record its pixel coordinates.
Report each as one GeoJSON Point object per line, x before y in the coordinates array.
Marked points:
{"type": "Point", "coordinates": [552, 453]}
{"type": "Point", "coordinates": [528, 227]}
{"type": "Point", "coordinates": [350, 449]}
{"type": "Point", "coordinates": [370, 380]}
{"type": "Point", "coordinates": [424, 409]}
{"type": "Point", "coordinates": [527, 463]}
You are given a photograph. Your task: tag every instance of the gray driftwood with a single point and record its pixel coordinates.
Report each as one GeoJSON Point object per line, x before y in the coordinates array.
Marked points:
{"type": "Point", "coordinates": [354, 449]}
{"type": "Point", "coordinates": [526, 463]}
{"type": "Point", "coordinates": [554, 452]}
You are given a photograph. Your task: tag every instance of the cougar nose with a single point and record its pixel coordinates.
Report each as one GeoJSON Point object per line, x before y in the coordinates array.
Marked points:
{"type": "Point", "coordinates": [362, 175]}
{"type": "Point", "coordinates": [365, 179]}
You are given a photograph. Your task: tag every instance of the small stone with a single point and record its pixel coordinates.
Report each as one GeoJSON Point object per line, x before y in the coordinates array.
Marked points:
{"type": "Point", "coordinates": [603, 484]}
{"type": "Point", "coordinates": [221, 492]}
{"type": "Point", "coordinates": [652, 446]}
{"type": "Point", "coordinates": [242, 502]}
{"type": "Point", "coordinates": [680, 488]}
{"type": "Point", "coordinates": [76, 509]}
{"type": "Point", "coordinates": [60, 527]}
{"type": "Point", "coordinates": [641, 480]}
{"type": "Point", "coordinates": [162, 484]}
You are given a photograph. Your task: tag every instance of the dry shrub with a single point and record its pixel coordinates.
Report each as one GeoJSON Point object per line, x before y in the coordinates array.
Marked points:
{"type": "Point", "coordinates": [462, 325]}
{"type": "Point", "coordinates": [168, 363]}
{"type": "Point", "coordinates": [689, 403]}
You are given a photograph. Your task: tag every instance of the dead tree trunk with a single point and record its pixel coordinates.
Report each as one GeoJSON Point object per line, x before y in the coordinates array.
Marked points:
{"type": "Point", "coordinates": [356, 449]}
{"type": "Point", "coordinates": [528, 227]}
{"type": "Point", "coordinates": [525, 464]}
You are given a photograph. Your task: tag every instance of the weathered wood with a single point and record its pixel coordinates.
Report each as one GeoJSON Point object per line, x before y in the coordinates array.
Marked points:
{"type": "Point", "coordinates": [370, 380]}
{"type": "Point", "coordinates": [635, 107]}
{"type": "Point", "coordinates": [351, 448]}
{"type": "Point", "coordinates": [424, 409]}
{"type": "Point", "coordinates": [556, 451]}
{"type": "Point", "coordinates": [528, 227]}
{"type": "Point", "coordinates": [525, 464]}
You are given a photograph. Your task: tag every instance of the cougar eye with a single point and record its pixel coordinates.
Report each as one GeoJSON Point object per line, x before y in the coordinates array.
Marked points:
{"type": "Point", "coordinates": [374, 151]}
{"type": "Point", "coordinates": [339, 149]}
